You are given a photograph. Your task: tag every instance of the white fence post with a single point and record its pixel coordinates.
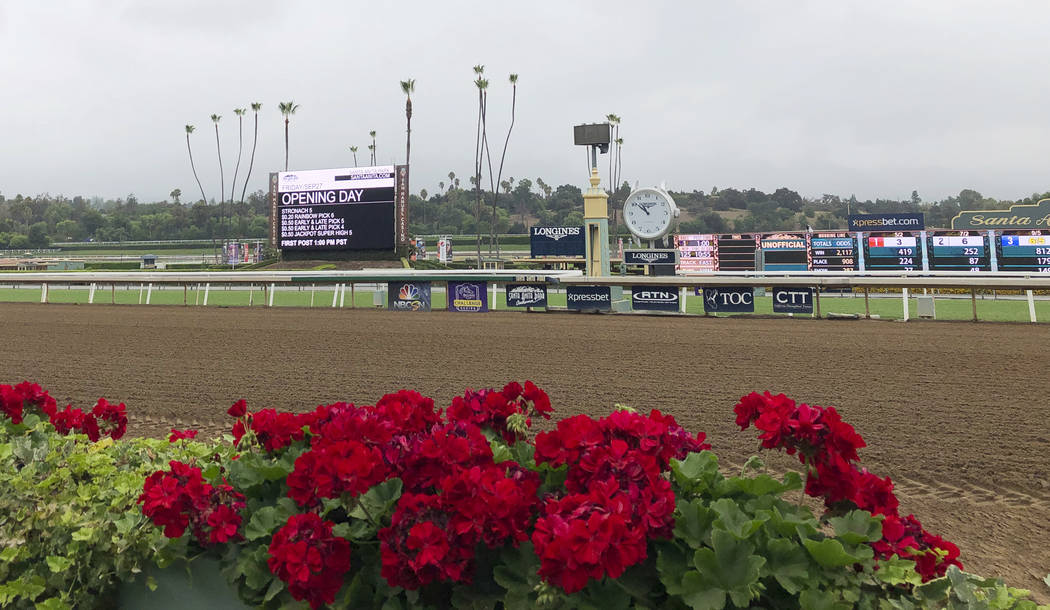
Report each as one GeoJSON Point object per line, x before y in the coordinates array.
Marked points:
{"type": "Point", "coordinates": [141, 286]}
{"type": "Point", "coordinates": [335, 295]}
{"type": "Point", "coordinates": [342, 295]}
{"type": "Point", "coordinates": [149, 294]}
{"type": "Point", "coordinates": [1031, 306]}
{"type": "Point", "coordinates": [91, 294]}
{"type": "Point", "coordinates": [207, 288]}
{"type": "Point", "coordinates": [197, 294]}
{"type": "Point", "coordinates": [904, 292]}
{"type": "Point", "coordinates": [272, 288]}
{"type": "Point", "coordinates": [43, 292]}
{"type": "Point", "coordinates": [683, 292]}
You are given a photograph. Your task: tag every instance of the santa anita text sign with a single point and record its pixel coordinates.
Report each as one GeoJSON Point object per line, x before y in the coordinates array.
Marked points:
{"type": "Point", "coordinates": [334, 209]}
{"type": "Point", "coordinates": [1035, 216]}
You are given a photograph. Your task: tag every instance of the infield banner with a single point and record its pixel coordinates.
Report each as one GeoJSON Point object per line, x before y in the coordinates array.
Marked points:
{"type": "Point", "coordinates": [408, 296]}
{"type": "Point", "coordinates": [468, 296]}
{"type": "Point", "coordinates": [734, 299]}
{"type": "Point", "coordinates": [526, 295]}
{"type": "Point", "coordinates": [792, 300]}
{"type": "Point", "coordinates": [654, 298]}
{"type": "Point", "coordinates": [583, 298]}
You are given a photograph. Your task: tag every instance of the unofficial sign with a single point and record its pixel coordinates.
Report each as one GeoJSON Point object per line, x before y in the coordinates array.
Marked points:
{"type": "Point", "coordinates": [335, 209]}
{"type": "Point", "coordinates": [468, 296]}
{"type": "Point", "coordinates": [654, 298]}
{"type": "Point", "coordinates": [792, 300]}
{"type": "Point", "coordinates": [735, 299]}
{"type": "Point", "coordinates": [1036, 216]}
{"type": "Point", "coordinates": [583, 298]}
{"type": "Point", "coordinates": [408, 296]}
{"type": "Point", "coordinates": [526, 295]}
{"type": "Point", "coordinates": [886, 222]}
{"type": "Point", "coordinates": [556, 241]}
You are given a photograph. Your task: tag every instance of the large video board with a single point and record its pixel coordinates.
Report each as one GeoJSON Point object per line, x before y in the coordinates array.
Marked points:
{"type": "Point", "coordinates": [335, 209]}
{"type": "Point", "coordinates": [832, 252]}
{"type": "Point", "coordinates": [892, 252]}
{"type": "Point", "coordinates": [1024, 251]}
{"type": "Point", "coordinates": [958, 250]}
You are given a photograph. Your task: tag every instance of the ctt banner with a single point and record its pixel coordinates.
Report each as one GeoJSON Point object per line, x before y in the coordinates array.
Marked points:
{"type": "Point", "coordinates": [556, 241]}
{"type": "Point", "coordinates": [468, 296]}
{"type": "Point", "coordinates": [886, 222]}
{"type": "Point", "coordinates": [735, 299]}
{"type": "Point", "coordinates": [408, 296]}
{"type": "Point", "coordinates": [792, 300]}
{"type": "Point", "coordinates": [654, 298]}
{"type": "Point", "coordinates": [586, 298]}
{"type": "Point", "coordinates": [526, 295]}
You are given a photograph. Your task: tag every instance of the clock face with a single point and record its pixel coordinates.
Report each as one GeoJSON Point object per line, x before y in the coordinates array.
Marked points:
{"type": "Point", "coordinates": [649, 213]}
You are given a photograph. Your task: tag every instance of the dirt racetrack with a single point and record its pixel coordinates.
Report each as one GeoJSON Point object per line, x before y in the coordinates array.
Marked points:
{"type": "Point", "coordinates": [955, 413]}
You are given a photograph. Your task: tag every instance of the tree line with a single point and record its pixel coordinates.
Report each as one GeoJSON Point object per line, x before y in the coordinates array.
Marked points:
{"type": "Point", "coordinates": [37, 221]}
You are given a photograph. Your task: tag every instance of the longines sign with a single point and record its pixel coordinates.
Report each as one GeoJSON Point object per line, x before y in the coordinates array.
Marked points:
{"type": "Point", "coordinates": [1036, 216]}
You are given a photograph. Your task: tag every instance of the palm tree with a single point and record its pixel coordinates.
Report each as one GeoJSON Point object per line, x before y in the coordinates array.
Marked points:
{"type": "Point", "coordinates": [423, 197]}
{"type": "Point", "coordinates": [479, 153]}
{"type": "Point", "coordinates": [353, 149]}
{"type": "Point", "coordinates": [175, 194]}
{"type": "Point", "coordinates": [240, 112]}
{"type": "Point", "coordinates": [619, 160]}
{"type": "Point", "coordinates": [441, 185]}
{"type": "Point", "coordinates": [255, 108]}
{"type": "Point", "coordinates": [215, 118]}
{"type": "Point", "coordinates": [495, 196]}
{"type": "Point", "coordinates": [287, 110]}
{"type": "Point", "coordinates": [407, 87]}
{"type": "Point", "coordinates": [373, 146]}
{"type": "Point", "coordinates": [189, 130]}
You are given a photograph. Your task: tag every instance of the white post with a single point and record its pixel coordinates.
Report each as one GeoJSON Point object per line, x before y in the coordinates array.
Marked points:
{"type": "Point", "coordinates": [207, 288]}
{"type": "Point", "coordinates": [91, 294]}
{"type": "Point", "coordinates": [312, 286]}
{"type": "Point", "coordinates": [149, 293]}
{"type": "Point", "coordinates": [335, 294]}
{"type": "Point", "coordinates": [342, 295]}
{"type": "Point", "coordinates": [1031, 306]}
{"type": "Point", "coordinates": [681, 300]}
{"type": "Point", "coordinates": [492, 301]}
{"type": "Point", "coordinates": [197, 294]}
{"type": "Point", "coordinates": [43, 292]}
{"type": "Point", "coordinates": [251, 294]}
{"type": "Point", "coordinates": [141, 286]}
{"type": "Point", "coordinates": [904, 291]}
{"type": "Point", "coordinates": [272, 288]}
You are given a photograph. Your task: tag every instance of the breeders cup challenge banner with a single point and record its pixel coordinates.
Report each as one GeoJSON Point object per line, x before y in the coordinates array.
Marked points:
{"type": "Point", "coordinates": [468, 296]}
{"type": "Point", "coordinates": [335, 209]}
{"type": "Point", "coordinates": [408, 296]}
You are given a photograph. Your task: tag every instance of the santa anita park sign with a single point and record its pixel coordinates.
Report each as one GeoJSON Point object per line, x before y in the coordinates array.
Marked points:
{"type": "Point", "coordinates": [1035, 216]}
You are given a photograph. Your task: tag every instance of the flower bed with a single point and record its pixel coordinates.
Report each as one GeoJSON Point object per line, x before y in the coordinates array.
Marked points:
{"type": "Point", "coordinates": [402, 504]}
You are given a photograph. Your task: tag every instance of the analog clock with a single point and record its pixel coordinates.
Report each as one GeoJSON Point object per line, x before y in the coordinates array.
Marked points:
{"type": "Point", "coordinates": [649, 213]}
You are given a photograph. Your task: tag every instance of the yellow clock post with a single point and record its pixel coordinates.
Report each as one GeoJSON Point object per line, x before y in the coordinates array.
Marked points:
{"type": "Point", "coordinates": [596, 227]}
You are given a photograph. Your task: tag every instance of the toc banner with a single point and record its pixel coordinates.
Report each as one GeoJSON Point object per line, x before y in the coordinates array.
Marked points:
{"type": "Point", "coordinates": [792, 300]}
{"type": "Point", "coordinates": [729, 299]}
{"type": "Point", "coordinates": [526, 295]}
{"type": "Point", "coordinates": [468, 296]}
{"type": "Point", "coordinates": [654, 298]}
{"type": "Point", "coordinates": [408, 296]}
{"type": "Point", "coordinates": [886, 222]}
{"type": "Point", "coordinates": [582, 298]}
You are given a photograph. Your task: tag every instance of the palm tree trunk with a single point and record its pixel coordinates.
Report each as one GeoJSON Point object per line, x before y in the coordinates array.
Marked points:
{"type": "Point", "coordinates": [285, 143]}
{"type": "Point", "coordinates": [190, 150]}
{"type": "Point", "coordinates": [503, 157]}
{"type": "Point", "coordinates": [355, 159]}
{"type": "Point", "coordinates": [488, 157]}
{"type": "Point", "coordinates": [255, 141]}
{"type": "Point", "coordinates": [222, 182]}
{"type": "Point", "coordinates": [477, 179]}
{"type": "Point", "coordinates": [240, 146]}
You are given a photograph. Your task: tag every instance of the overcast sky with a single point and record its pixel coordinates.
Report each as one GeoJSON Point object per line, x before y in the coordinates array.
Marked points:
{"type": "Point", "coordinates": [831, 96]}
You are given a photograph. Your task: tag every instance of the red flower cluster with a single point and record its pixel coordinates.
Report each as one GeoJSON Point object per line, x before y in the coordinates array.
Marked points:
{"type": "Point", "coordinates": [330, 469]}
{"type": "Point", "coordinates": [616, 485]}
{"type": "Point", "coordinates": [305, 554]}
{"type": "Point", "coordinates": [420, 547]}
{"type": "Point", "coordinates": [829, 445]}
{"type": "Point", "coordinates": [491, 409]}
{"type": "Point", "coordinates": [179, 498]}
{"type": "Point", "coordinates": [103, 420]}
{"type": "Point", "coordinates": [178, 435]}
{"type": "Point", "coordinates": [274, 430]}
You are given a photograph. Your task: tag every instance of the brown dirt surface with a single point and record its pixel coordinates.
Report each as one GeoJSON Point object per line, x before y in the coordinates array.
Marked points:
{"type": "Point", "coordinates": [953, 412]}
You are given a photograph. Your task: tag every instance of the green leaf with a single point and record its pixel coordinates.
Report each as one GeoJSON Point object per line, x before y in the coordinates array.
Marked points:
{"type": "Point", "coordinates": [831, 554]}
{"type": "Point", "coordinates": [264, 522]}
{"type": "Point", "coordinates": [276, 586]}
{"type": "Point", "coordinates": [84, 534]}
{"type": "Point", "coordinates": [10, 553]}
{"type": "Point", "coordinates": [814, 599]}
{"type": "Point", "coordinates": [734, 520]}
{"type": "Point", "coordinates": [933, 591]}
{"type": "Point", "coordinates": [52, 603]}
{"type": "Point", "coordinates": [378, 500]}
{"type": "Point", "coordinates": [788, 563]}
{"type": "Point", "coordinates": [671, 565]}
{"type": "Point", "coordinates": [897, 571]}
{"type": "Point", "coordinates": [244, 472]}
{"type": "Point", "coordinates": [698, 472]}
{"type": "Point", "coordinates": [730, 569]}
{"type": "Point", "coordinates": [58, 564]}
{"type": "Point", "coordinates": [857, 526]}
{"type": "Point", "coordinates": [524, 453]}
{"type": "Point", "coordinates": [759, 485]}
{"type": "Point", "coordinates": [693, 523]}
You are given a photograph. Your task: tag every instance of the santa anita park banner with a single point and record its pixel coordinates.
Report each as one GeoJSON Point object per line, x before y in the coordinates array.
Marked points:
{"type": "Point", "coordinates": [1036, 216]}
